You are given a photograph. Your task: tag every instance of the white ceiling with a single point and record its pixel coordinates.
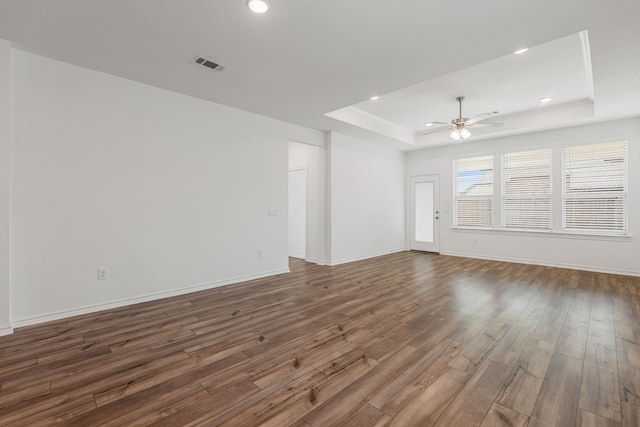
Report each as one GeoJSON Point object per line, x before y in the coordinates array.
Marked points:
{"type": "Point", "coordinates": [306, 58]}
{"type": "Point", "coordinates": [509, 84]}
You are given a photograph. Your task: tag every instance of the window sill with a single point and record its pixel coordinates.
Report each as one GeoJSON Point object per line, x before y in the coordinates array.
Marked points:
{"type": "Point", "coordinates": [543, 233]}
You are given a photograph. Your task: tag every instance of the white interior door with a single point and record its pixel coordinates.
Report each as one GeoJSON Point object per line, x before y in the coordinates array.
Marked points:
{"type": "Point", "coordinates": [298, 213]}
{"type": "Point", "coordinates": [424, 213]}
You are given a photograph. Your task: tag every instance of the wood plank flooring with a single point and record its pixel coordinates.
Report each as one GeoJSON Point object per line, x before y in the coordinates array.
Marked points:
{"type": "Point", "coordinates": [408, 339]}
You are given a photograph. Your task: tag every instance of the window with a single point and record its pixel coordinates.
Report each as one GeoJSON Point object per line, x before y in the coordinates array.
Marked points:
{"type": "Point", "coordinates": [593, 179]}
{"type": "Point", "coordinates": [526, 190]}
{"type": "Point", "coordinates": [473, 204]}
{"type": "Point", "coordinates": [594, 188]}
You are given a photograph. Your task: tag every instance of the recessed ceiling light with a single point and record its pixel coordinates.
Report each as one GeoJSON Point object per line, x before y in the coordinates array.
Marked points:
{"type": "Point", "coordinates": [257, 6]}
{"type": "Point", "coordinates": [545, 100]}
{"type": "Point", "coordinates": [428, 124]}
{"type": "Point", "coordinates": [523, 50]}
{"type": "Point", "coordinates": [374, 98]}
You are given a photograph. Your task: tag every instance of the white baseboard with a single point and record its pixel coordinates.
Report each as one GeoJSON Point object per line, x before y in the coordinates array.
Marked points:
{"type": "Point", "coordinates": [547, 264]}
{"type": "Point", "coordinates": [360, 258]}
{"type": "Point", "coordinates": [316, 261]}
{"type": "Point", "coordinates": [28, 321]}
{"type": "Point", "coordinates": [8, 330]}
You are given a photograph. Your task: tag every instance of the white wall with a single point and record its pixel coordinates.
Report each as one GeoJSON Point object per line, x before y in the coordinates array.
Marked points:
{"type": "Point", "coordinates": [617, 255]}
{"type": "Point", "coordinates": [313, 158]}
{"type": "Point", "coordinates": [5, 114]}
{"type": "Point", "coordinates": [367, 198]}
{"type": "Point", "coordinates": [168, 192]}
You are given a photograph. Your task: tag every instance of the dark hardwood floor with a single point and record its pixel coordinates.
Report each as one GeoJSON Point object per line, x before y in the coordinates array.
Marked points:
{"type": "Point", "coordinates": [409, 339]}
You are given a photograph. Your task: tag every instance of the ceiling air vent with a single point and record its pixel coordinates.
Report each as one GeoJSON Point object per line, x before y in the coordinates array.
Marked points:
{"type": "Point", "coordinates": [208, 63]}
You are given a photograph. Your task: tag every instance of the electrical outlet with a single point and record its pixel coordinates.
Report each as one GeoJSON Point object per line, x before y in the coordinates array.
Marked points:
{"type": "Point", "coordinates": [259, 253]}
{"type": "Point", "coordinates": [103, 273]}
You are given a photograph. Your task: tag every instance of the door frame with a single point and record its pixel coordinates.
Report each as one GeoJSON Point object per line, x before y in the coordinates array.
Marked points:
{"type": "Point", "coordinates": [304, 168]}
{"type": "Point", "coordinates": [411, 243]}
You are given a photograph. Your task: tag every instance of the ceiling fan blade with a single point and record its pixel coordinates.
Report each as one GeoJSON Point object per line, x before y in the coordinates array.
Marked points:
{"type": "Point", "coordinates": [478, 118]}
{"type": "Point", "coordinates": [427, 132]}
{"type": "Point", "coordinates": [439, 123]}
{"type": "Point", "coordinates": [483, 125]}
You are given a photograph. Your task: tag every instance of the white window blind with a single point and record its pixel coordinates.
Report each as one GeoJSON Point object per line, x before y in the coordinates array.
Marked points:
{"type": "Point", "coordinates": [526, 190]}
{"type": "Point", "coordinates": [473, 198]}
{"type": "Point", "coordinates": [594, 194]}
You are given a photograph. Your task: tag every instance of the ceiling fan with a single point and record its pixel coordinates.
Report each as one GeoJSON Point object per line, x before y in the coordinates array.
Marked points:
{"type": "Point", "coordinates": [459, 126]}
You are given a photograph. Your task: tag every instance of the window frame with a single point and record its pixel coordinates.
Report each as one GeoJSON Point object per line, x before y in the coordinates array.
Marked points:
{"type": "Point", "coordinates": [556, 197]}
{"type": "Point", "coordinates": [490, 198]}
{"type": "Point", "coordinates": [624, 193]}
{"type": "Point", "coordinates": [526, 196]}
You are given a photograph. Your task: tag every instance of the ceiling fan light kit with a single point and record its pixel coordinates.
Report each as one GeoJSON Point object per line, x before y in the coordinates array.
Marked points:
{"type": "Point", "coordinates": [460, 133]}
{"type": "Point", "coordinates": [257, 6]}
